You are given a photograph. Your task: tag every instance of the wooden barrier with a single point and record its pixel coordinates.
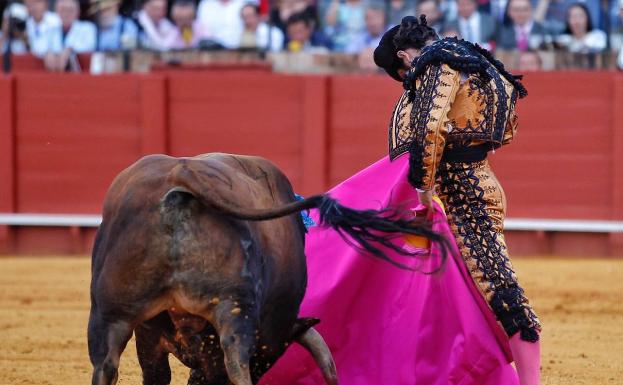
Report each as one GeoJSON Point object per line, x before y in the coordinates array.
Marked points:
{"type": "Point", "coordinates": [63, 138]}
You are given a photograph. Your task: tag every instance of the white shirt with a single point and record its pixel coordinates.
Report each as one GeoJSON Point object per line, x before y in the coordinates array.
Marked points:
{"type": "Point", "coordinates": [594, 41]}
{"type": "Point", "coordinates": [470, 28]}
{"type": "Point", "coordinates": [81, 37]}
{"type": "Point", "coordinates": [223, 21]}
{"type": "Point", "coordinates": [159, 36]}
{"type": "Point", "coordinates": [276, 41]}
{"type": "Point", "coordinates": [39, 33]}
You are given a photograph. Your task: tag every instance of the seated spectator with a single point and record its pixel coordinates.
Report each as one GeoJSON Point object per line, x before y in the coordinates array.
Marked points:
{"type": "Point", "coordinates": [13, 32]}
{"type": "Point", "coordinates": [399, 9]}
{"type": "Point", "coordinates": [498, 9]}
{"type": "Point", "coordinates": [448, 9]}
{"type": "Point", "coordinates": [301, 35]}
{"type": "Point", "coordinates": [222, 20]}
{"type": "Point", "coordinates": [579, 35]}
{"type": "Point", "coordinates": [450, 32]}
{"type": "Point", "coordinates": [553, 13]}
{"type": "Point", "coordinates": [345, 22]}
{"type": "Point", "coordinates": [280, 14]}
{"type": "Point", "coordinates": [158, 32]}
{"type": "Point", "coordinates": [40, 25]}
{"type": "Point", "coordinates": [188, 30]}
{"type": "Point", "coordinates": [434, 16]}
{"type": "Point", "coordinates": [375, 28]}
{"type": "Point", "coordinates": [74, 36]}
{"type": "Point", "coordinates": [115, 32]}
{"type": "Point", "coordinates": [523, 32]}
{"type": "Point", "coordinates": [529, 61]}
{"type": "Point", "coordinates": [616, 34]}
{"type": "Point", "coordinates": [620, 34]}
{"type": "Point", "coordinates": [473, 25]}
{"type": "Point", "coordinates": [255, 34]}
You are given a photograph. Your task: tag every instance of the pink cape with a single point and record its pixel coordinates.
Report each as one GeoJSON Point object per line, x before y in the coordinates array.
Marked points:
{"type": "Point", "coordinates": [387, 326]}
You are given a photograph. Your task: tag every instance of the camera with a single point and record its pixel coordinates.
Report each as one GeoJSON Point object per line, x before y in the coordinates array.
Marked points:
{"type": "Point", "coordinates": [16, 15]}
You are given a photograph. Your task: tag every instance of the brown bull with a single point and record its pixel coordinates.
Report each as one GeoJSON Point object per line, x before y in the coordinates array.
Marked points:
{"type": "Point", "coordinates": [187, 259]}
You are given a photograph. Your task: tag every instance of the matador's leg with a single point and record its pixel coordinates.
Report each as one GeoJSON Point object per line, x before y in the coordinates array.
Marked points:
{"type": "Point", "coordinates": [475, 204]}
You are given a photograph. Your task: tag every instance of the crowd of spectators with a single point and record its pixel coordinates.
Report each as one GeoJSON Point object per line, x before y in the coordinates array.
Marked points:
{"type": "Point", "coordinates": [56, 29]}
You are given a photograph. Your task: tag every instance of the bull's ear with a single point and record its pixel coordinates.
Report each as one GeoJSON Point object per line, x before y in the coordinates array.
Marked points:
{"type": "Point", "coordinates": [301, 325]}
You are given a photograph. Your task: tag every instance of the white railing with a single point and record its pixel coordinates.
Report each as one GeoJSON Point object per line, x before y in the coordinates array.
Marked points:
{"type": "Point", "coordinates": [514, 224]}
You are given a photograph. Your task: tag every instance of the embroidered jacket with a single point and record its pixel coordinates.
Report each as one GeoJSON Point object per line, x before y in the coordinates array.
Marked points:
{"type": "Point", "coordinates": [456, 94]}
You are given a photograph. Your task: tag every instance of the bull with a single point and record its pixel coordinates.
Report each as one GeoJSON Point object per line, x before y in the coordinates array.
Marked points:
{"type": "Point", "coordinates": [203, 258]}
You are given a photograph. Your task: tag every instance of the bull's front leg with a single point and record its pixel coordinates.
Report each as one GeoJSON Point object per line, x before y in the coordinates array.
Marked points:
{"type": "Point", "coordinates": [236, 325]}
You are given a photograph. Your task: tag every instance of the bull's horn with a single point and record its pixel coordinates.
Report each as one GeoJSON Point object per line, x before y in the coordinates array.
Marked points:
{"type": "Point", "coordinates": [314, 343]}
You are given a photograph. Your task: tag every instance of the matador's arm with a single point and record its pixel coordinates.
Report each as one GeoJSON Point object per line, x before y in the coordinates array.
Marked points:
{"type": "Point", "coordinates": [434, 94]}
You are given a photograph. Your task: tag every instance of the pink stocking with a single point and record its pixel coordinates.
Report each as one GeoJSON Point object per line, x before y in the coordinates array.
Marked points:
{"type": "Point", "coordinates": [527, 357]}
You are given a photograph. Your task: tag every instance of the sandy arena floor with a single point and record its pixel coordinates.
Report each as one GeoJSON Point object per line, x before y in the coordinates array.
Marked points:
{"type": "Point", "coordinates": [44, 310]}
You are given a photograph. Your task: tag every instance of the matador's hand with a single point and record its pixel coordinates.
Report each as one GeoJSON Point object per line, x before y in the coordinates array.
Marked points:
{"type": "Point", "coordinates": [426, 199]}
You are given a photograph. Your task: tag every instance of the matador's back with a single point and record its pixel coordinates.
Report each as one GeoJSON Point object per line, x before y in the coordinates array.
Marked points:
{"type": "Point", "coordinates": [456, 95]}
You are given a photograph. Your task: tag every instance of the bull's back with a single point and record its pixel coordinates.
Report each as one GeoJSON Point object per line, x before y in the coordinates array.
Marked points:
{"type": "Point", "coordinates": [141, 239]}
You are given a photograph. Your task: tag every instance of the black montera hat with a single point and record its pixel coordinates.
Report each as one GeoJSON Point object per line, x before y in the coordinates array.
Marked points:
{"type": "Point", "coordinates": [385, 54]}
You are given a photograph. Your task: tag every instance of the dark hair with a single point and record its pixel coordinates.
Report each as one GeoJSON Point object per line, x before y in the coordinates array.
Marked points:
{"type": "Point", "coordinates": [589, 22]}
{"type": "Point", "coordinates": [255, 7]}
{"type": "Point", "coordinates": [298, 18]}
{"type": "Point", "coordinates": [183, 3]}
{"type": "Point", "coordinates": [414, 33]}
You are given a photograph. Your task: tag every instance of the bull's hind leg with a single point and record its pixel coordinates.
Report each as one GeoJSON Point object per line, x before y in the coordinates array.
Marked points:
{"type": "Point", "coordinates": [152, 356]}
{"type": "Point", "coordinates": [236, 325]}
{"type": "Point", "coordinates": [107, 340]}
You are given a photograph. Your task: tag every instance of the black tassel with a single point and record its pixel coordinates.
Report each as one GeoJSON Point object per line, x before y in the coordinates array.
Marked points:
{"type": "Point", "coordinates": [372, 231]}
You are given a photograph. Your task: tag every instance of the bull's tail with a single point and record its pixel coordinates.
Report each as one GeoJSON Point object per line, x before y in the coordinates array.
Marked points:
{"type": "Point", "coordinates": [371, 231]}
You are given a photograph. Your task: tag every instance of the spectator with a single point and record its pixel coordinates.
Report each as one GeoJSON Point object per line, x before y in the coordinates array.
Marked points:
{"type": "Point", "coordinates": [614, 15]}
{"type": "Point", "coordinates": [345, 22]}
{"type": "Point", "coordinates": [365, 61]}
{"type": "Point", "coordinates": [14, 18]}
{"type": "Point", "coordinates": [498, 9]}
{"type": "Point", "coordinates": [523, 32]}
{"type": "Point", "coordinates": [448, 9]}
{"type": "Point", "coordinates": [223, 21]}
{"type": "Point", "coordinates": [375, 27]}
{"type": "Point", "coordinates": [399, 9]}
{"type": "Point", "coordinates": [579, 35]}
{"type": "Point", "coordinates": [285, 8]}
{"type": "Point", "coordinates": [158, 32]}
{"type": "Point", "coordinates": [473, 25]}
{"type": "Point", "coordinates": [115, 32]}
{"type": "Point", "coordinates": [74, 36]}
{"type": "Point", "coordinates": [450, 32]}
{"type": "Point", "coordinates": [616, 35]}
{"type": "Point", "coordinates": [40, 25]}
{"type": "Point", "coordinates": [434, 16]}
{"type": "Point", "coordinates": [255, 34]}
{"type": "Point", "coordinates": [301, 35]}
{"type": "Point", "coordinates": [188, 31]}
{"type": "Point", "coordinates": [553, 13]}
{"type": "Point", "coordinates": [529, 61]}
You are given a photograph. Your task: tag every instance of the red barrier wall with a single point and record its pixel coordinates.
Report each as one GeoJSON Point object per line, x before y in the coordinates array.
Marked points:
{"type": "Point", "coordinates": [63, 138]}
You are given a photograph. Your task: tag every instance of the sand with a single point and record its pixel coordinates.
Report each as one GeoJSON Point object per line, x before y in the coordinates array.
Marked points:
{"type": "Point", "coordinates": [44, 304]}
